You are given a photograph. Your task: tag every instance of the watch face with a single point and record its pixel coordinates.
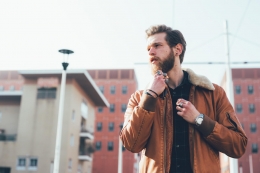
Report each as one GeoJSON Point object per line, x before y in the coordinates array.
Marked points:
{"type": "Point", "coordinates": [199, 121]}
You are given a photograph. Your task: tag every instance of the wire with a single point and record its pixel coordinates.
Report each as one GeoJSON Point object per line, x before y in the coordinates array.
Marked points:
{"type": "Point", "coordinates": [210, 63]}
{"type": "Point", "coordinates": [205, 43]}
{"type": "Point", "coordinates": [245, 40]}
{"type": "Point", "coordinates": [241, 20]}
{"type": "Point", "coordinates": [253, 62]}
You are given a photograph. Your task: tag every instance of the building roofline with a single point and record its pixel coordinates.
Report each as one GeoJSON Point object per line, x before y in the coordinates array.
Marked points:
{"type": "Point", "coordinates": [11, 93]}
{"type": "Point", "coordinates": [81, 76]}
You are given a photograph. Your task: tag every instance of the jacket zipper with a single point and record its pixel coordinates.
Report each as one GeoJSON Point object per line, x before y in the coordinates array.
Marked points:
{"type": "Point", "coordinates": [192, 130]}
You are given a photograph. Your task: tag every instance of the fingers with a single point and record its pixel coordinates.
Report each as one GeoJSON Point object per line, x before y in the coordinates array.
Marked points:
{"type": "Point", "coordinates": [181, 106]}
{"type": "Point", "coordinates": [186, 110]}
{"type": "Point", "coordinates": [182, 103]}
{"type": "Point", "coordinates": [160, 73]}
{"type": "Point", "coordinates": [180, 114]}
{"type": "Point", "coordinates": [158, 83]}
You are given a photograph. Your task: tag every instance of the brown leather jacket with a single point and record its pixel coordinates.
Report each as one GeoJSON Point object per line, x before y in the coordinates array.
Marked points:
{"type": "Point", "coordinates": [148, 127]}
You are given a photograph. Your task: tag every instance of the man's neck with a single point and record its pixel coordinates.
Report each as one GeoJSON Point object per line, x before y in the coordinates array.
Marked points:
{"type": "Point", "coordinates": [175, 76]}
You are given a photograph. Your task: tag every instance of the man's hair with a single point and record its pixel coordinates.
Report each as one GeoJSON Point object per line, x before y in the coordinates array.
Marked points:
{"type": "Point", "coordinates": [173, 37]}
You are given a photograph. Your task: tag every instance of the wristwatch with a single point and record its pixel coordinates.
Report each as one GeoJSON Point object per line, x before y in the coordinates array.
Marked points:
{"type": "Point", "coordinates": [199, 119]}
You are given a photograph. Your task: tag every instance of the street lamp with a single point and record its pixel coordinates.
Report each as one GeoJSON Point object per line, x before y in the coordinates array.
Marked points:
{"type": "Point", "coordinates": [65, 64]}
{"type": "Point", "coordinates": [120, 158]}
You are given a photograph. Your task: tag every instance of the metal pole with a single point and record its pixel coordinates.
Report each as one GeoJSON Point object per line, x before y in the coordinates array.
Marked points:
{"type": "Point", "coordinates": [120, 158]}
{"type": "Point", "coordinates": [59, 126]}
{"type": "Point", "coordinates": [229, 83]}
{"type": "Point", "coordinates": [120, 161]}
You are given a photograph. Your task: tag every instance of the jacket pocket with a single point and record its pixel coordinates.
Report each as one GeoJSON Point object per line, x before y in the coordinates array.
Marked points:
{"type": "Point", "coordinates": [232, 122]}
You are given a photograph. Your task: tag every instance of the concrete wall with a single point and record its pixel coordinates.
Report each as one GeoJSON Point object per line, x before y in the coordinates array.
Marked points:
{"type": "Point", "coordinates": [35, 122]}
{"type": "Point", "coordinates": [9, 110]}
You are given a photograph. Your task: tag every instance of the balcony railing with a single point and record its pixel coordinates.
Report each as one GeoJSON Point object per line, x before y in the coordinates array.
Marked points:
{"type": "Point", "coordinates": [5, 137]}
{"type": "Point", "coordinates": [86, 133]}
{"type": "Point", "coordinates": [86, 153]}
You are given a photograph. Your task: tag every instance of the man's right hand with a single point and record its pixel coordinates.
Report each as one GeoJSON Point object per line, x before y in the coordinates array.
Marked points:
{"type": "Point", "coordinates": [158, 83]}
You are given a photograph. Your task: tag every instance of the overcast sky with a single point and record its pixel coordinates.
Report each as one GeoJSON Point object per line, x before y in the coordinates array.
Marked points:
{"type": "Point", "coordinates": [110, 33]}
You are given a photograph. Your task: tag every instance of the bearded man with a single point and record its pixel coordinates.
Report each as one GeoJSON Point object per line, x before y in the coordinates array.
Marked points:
{"type": "Point", "coordinates": [181, 121]}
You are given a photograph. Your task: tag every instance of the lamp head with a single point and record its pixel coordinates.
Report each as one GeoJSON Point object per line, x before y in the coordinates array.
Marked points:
{"type": "Point", "coordinates": [65, 53]}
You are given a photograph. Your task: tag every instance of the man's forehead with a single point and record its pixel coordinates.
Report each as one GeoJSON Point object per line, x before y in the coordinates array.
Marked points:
{"type": "Point", "coordinates": [156, 38]}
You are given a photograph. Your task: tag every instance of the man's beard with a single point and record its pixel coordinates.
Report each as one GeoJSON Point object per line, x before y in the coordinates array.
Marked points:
{"type": "Point", "coordinates": [165, 65]}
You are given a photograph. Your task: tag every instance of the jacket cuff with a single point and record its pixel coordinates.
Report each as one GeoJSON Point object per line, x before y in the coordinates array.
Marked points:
{"type": "Point", "coordinates": [207, 126]}
{"type": "Point", "coordinates": [148, 102]}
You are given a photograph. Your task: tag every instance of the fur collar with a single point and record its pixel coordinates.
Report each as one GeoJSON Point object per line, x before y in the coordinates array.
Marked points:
{"type": "Point", "coordinates": [199, 80]}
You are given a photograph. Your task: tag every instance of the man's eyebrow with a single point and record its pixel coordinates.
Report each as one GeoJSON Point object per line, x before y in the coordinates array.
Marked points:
{"type": "Point", "coordinates": [155, 43]}
{"type": "Point", "coordinates": [158, 42]}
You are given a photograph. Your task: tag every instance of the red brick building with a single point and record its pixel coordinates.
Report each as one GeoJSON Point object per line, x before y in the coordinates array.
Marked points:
{"type": "Point", "coordinates": [117, 86]}
{"type": "Point", "coordinates": [247, 104]}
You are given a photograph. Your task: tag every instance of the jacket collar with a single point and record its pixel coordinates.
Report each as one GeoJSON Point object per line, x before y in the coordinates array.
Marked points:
{"type": "Point", "coordinates": [198, 80]}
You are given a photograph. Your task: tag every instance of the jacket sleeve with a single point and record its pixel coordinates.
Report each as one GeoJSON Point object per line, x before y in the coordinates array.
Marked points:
{"type": "Point", "coordinates": [227, 135]}
{"type": "Point", "coordinates": [138, 122]}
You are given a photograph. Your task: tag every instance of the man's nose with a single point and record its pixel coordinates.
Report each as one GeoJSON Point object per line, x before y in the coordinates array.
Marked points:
{"type": "Point", "coordinates": [152, 51]}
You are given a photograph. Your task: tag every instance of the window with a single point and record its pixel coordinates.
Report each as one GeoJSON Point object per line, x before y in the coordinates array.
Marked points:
{"type": "Point", "coordinates": [239, 108]}
{"type": "Point", "coordinates": [101, 88]}
{"type": "Point", "coordinates": [12, 88]}
{"type": "Point", "coordinates": [99, 126]}
{"type": "Point", "coordinates": [124, 89]}
{"type": "Point", "coordinates": [98, 145]}
{"type": "Point", "coordinates": [70, 164]}
{"type": "Point", "coordinates": [80, 169]}
{"type": "Point", "coordinates": [73, 115]}
{"type": "Point", "coordinates": [112, 89]}
{"type": "Point", "coordinates": [84, 109]}
{"type": "Point", "coordinates": [251, 108]}
{"type": "Point", "coordinates": [250, 89]}
{"type": "Point", "coordinates": [100, 109]}
{"type": "Point", "coordinates": [238, 89]}
{"type": "Point", "coordinates": [123, 107]}
{"type": "Point", "coordinates": [254, 148]}
{"type": "Point", "coordinates": [21, 163]}
{"type": "Point", "coordinates": [112, 108]}
{"type": "Point", "coordinates": [110, 146]}
{"type": "Point", "coordinates": [71, 140]}
{"type": "Point", "coordinates": [121, 126]}
{"type": "Point", "coordinates": [83, 125]}
{"type": "Point", "coordinates": [111, 126]}
{"type": "Point", "coordinates": [253, 127]}
{"type": "Point", "coordinates": [46, 93]}
{"type": "Point", "coordinates": [33, 164]}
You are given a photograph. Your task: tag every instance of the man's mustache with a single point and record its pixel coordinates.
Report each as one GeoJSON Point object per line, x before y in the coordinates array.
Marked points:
{"type": "Point", "coordinates": [154, 58]}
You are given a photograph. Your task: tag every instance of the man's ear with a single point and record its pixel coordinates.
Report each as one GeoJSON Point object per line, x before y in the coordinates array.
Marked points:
{"type": "Point", "coordinates": [178, 49]}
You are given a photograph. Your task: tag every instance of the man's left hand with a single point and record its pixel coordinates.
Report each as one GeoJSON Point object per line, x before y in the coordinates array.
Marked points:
{"type": "Point", "coordinates": [187, 110]}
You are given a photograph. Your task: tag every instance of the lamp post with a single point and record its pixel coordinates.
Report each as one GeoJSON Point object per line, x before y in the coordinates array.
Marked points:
{"type": "Point", "coordinates": [65, 64]}
{"type": "Point", "coordinates": [120, 158]}
{"type": "Point", "coordinates": [233, 163]}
